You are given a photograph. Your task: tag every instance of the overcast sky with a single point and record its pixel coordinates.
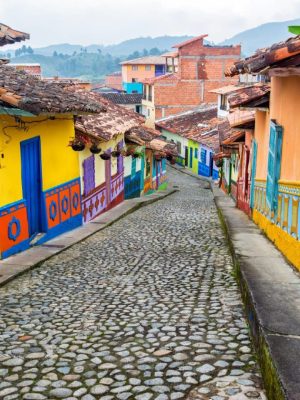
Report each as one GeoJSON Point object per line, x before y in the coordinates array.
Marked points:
{"type": "Point", "coordinates": [112, 21]}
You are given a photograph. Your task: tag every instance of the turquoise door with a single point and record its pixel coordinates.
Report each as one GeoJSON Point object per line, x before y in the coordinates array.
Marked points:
{"type": "Point", "coordinates": [32, 182]}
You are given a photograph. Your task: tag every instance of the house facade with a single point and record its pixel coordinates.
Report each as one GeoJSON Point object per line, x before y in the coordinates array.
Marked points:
{"type": "Point", "coordinates": [197, 68]}
{"type": "Point", "coordinates": [135, 71]}
{"type": "Point", "coordinates": [145, 162]}
{"type": "Point", "coordinates": [39, 172]}
{"type": "Point", "coordinates": [196, 134]}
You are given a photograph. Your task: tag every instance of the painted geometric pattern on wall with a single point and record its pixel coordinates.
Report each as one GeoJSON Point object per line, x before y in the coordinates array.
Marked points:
{"type": "Point", "coordinates": [62, 203]}
{"type": "Point", "coordinates": [94, 204]}
{"type": "Point", "coordinates": [13, 225]}
{"type": "Point", "coordinates": [117, 186]}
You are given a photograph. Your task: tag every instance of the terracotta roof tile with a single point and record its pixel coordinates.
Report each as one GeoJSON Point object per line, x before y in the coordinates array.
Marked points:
{"type": "Point", "coordinates": [105, 126]}
{"type": "Point", "coordinates": [282, 53]}
{"type": "Point", "coordinates": [124, 98]}
{"type": "Point", "coordinates": [148, 60]}
{"type": "Point", "coordinates": [9, 35]}
{"type": "Point", "coordinates": [249, 94]}
{"type": "Point", "coordinates": [19, 89]}
{"type": "Point", "coordinates": [201, 125]}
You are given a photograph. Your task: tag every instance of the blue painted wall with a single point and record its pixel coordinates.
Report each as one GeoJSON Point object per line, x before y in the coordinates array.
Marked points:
{"type": "Point", "coordinates": [133, 87]}
{"type": "Point", "coordinates": [132, 186]}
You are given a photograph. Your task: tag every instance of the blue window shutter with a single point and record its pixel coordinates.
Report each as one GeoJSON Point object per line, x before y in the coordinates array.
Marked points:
{"type": "Point", "coordinates": [253, 172]}
{"type": "Point", "coordinates": [133, 166]}
{"type": "Point", "coordinates": [278, 163]}
{"type": "Point", "coordinates": [274, 163]}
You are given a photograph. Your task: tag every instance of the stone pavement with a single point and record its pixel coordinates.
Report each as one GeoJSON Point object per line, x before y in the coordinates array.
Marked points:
{"type": "Point", "coordinates": [22, 262]}
{"type": "Point", "coordinates": [147, 308]}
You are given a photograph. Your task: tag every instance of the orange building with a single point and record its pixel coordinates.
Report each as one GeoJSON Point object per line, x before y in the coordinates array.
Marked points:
{"type": "Point", "coordinates": [196, 68]}
{"type": "Point", "coordinates": [275, 161]}
{"type": "Point", "coordinates": [135, 71]}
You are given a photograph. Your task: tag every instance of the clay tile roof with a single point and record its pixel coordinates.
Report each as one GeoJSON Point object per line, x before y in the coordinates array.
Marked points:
{"type": "Point", "coordinates": [9, 35]}
{"type": "Point", "coordinates": [170, 54]}
{"type": "Point", "coordinates": [124, 98]}
{"type": "Point", "coordinates": [189, 41]}
{"type": "Point", "coordinates": [142, 133]}
{"type": "Point", "coordinates": [234, 137]}
{"type": "Point", "coordinates": [201, 125]}
{"type": "Point", "coordinates": [148, 60]}
{"type": "Point", "coordinates": [105, 126]}
{"type": "Point", "coordinates": [278, 55]}
{"type": "Point", "coordinates": [228, 89]}
{"type": "Point", "coordinates": [19, 89]}
{"type": "Point", "coordinates": [249, 94]}
{"type": "Point", "coordinates": [190, 122]}
{"type": "Point", "coordinates": [162, 146]}
{"type": "Point", "coordinates": [171, 77]}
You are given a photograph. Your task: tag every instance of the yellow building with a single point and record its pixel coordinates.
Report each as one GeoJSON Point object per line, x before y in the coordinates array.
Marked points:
{"type": "Point", "coordinates": [39, 172]}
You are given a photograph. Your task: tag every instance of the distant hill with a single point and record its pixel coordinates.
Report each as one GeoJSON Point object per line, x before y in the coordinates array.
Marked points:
{"type": "Point", "coordinates": [122, 49]}
{"type": "Point", "coordinates": [95, 61]}
{"type": "Point", "coordinates": [261, 36]}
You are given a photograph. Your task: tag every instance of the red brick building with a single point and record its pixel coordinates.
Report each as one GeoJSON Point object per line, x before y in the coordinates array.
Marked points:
{"type": "Point", "coordinates": [114, 81]}
{"type": "Point", "coordinates": [199, 69]}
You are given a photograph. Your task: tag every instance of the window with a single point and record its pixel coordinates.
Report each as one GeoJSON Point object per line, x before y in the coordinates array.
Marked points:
{"type": "Point", "coordinates": [274, 161]}
{"type": "Point", "coordinates": [147, 67]}
{"type": "Point", "coordinates": [134, 80]}
{"type": "Point", "coordinates": [88, 175]}
{"type": "Point", "coordinates": [135, 67]}
{"type": "Point", "coordinates": [196, 153]}
{"type": "Point", "coordinates": [179, 147]}
{"type": "Point", "coordinates": [150, 93]}
{"type": "Point", "coordinates": [144, 92]}
{"type": "Point", "coordinates": [148, 112]}
{"type": "Point", "coordinates": [223, 105]}
{"type": "Point", "coordinates": [203, 156]}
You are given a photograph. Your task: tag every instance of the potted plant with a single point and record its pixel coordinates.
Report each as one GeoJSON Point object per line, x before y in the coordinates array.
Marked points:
{"type": "Point", "coordinates": [219, 162]}
{"type": "Point", "coordinates": [77, 145]}
{"type": "Point", "coordinates": [105, 156]}
{"type": "Point", "coordinates": [95, 149]}
{"type": "Point", "coordinates": [116, 153]}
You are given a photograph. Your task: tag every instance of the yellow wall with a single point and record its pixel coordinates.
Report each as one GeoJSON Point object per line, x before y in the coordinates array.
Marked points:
{"type": "Point", "coordinates": [59, 162]}
{"type": "Point", "coordinates": [288, 245]}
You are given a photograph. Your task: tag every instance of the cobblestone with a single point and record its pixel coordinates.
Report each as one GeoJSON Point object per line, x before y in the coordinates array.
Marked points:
{"type": "Point", "coordinates": [146, 309]}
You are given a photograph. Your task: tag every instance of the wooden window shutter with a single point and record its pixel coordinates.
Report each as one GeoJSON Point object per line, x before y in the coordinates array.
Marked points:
{"type": "Point", "coordinates": [274, 164]}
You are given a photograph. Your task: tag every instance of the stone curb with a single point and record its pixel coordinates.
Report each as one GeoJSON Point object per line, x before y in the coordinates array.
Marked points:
{"type": "Point", "coordinates": [270, 289]}
{"type": "Point", "coordinates": [20, 263]}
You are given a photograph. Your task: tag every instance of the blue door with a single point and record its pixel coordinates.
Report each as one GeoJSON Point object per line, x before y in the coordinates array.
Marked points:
{"type": "Point", "coordinates": [31, 182]}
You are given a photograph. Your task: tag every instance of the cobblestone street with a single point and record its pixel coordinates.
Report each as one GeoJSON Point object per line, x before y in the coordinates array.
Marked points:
{"type": "Point", "coordinates": [146, 309]}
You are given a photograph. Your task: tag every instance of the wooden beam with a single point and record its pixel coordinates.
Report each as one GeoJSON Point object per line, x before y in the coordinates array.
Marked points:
{"type": "Point", "coordinates": [287, 71]}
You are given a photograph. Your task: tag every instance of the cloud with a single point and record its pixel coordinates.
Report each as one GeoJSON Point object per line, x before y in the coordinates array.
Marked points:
{"type": "Point", "coordinates": [111, 21]}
